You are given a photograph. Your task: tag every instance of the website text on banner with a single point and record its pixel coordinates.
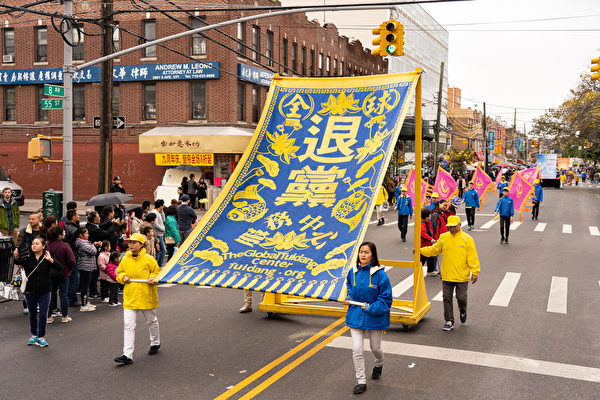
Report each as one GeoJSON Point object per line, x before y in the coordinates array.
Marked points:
{"type": "Point", "coordinates": [293, 214]}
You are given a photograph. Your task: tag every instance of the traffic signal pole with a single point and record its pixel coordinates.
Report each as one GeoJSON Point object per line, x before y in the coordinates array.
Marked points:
{"type": "Point", "coordinates": [67, 179]}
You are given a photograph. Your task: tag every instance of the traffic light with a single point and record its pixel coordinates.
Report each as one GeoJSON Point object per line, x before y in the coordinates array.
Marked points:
{"type": "Point", "coordinates": [534, 143]}
{"type": "Point", "coordinates": [39, 148]}
{"type": "Point", "coordinates": [394, 37]}
{"type": "Point", "coordinates": [379, 40]}
{"type": "Point", "coordinates": [596, 68]}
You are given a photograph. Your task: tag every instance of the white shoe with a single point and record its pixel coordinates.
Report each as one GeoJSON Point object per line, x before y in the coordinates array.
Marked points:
{"type": "Point", "coordinates": [92, 306]}
{"type": "Point", "coordinates": [247, 307]}
{"type": "Point", "coordinates": [105, 300]}
{"type": "Point", "coordinates": [87, 308]}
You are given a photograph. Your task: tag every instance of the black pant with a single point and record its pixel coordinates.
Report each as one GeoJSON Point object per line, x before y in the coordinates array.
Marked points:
{"type": "Point", "coordinates": [461, 298]}
{"type": "Point", "coordinates": [470, 215]}
{"type": "Point", "coordinates": [170, 250]}
{"type": "Point", "coordinates": [113, 292]}
{"type": "Point", "coordinates": [504, 227]}
{"type": "Point", "coordinates": [104, 289]}
{"type": "Point", "coordinates": [192, 200]}
{"type": "Point", "coordinates": [535, 210]}
{"type": "Point", "coordinates": [430, 261]}
{"type": "Point", "coordinates": [403, 225]}
{"type": "Point", "coordinates": [84, 279]}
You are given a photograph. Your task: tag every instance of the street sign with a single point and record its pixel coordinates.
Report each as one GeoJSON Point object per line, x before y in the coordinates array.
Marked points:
{"type": "Point", "coordinates": [53, 90]}
{"type": "Point", "coordinates": [52, 104]}
{"type": "Point", "coordinates": [118, 122]}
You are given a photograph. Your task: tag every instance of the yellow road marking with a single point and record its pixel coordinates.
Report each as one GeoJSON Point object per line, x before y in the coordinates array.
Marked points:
{"type": "Point", "coordinates": [278, 361]}
{"type": "Point", "coordinates": [292, 365]}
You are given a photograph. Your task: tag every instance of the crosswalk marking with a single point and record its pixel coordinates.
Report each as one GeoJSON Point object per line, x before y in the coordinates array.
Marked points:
{"type": "Point", "coordinates": [406, 284]}
{"type": "Point", "coordinates": [515, 225]}
{"type": "Point", "coordinates": [540, 227]}
{"type": "Point", "coordinates": [505, 289]}
{"type": "Point", "coordinates": [438, 297]}
{"type": "Point", "coordinates": [166, 285]}
{"type": "Point", "coordinates": [557, 300]}
{"type": "Point", "coordinates": [567, 228]}
{"type": "Point", "coordinates": [489, 224]}
{"type": "Point", "coordinates": [462, 224]}
{"type": "Point", "coordinates": [594, 231]}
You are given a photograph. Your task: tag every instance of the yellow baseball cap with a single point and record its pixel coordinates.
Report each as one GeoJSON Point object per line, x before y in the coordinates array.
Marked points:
{"type": "Point", "coordinates": [536, 181]}
{"type": "Point", "coordinates": [404, 189]}
{"type": "Point", "coordinates": [435, 195]}
{"type": "Point", "coordinates": [137, 237]}
{"type": "Point", "coordinates": [453, 220]}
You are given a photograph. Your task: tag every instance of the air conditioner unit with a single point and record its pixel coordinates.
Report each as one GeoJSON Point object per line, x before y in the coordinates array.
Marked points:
{"type": "Point", "coordinates": [8, 58]}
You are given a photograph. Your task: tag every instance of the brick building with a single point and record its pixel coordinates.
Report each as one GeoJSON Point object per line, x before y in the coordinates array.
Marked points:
{"type": "Point", "coordinates": [205, 100]}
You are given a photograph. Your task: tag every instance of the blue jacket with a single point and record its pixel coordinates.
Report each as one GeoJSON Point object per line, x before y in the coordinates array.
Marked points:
{"type": "Point", "coordinates": [539, 193]}
{"type": "Point", "coordinates": [501, 186]}
{"type": "Point", "coordinates": [471, 198]}
{"type": "Point", "coordinates": [372, 286]}
{"type": "Point", "coordinates": [505, 206]}
{"type": "Point", "coordinates": [404, 205]}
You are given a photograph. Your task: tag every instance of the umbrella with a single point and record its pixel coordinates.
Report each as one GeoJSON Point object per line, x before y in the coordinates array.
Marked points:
{"type": "Point", "coordinates": [188, 167]}
{"type": "Point", "coordinates": [107, 199]}
{"type": "Point", "coordinates": [504, 165]}
{"type": "Point", "coordinates": [406, 167]}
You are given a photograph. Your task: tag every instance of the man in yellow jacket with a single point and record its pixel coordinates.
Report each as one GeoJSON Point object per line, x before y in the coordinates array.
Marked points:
{"type": "Point", "coordinates": [381, 198]}
{"type": "Point", "coordinates": [137, 271]}
{"type": "Point", "coordinates": [460, 264]}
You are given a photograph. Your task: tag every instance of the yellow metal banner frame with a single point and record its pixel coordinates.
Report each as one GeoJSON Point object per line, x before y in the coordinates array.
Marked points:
{"type": "Point", "coordinates": [405, 312]}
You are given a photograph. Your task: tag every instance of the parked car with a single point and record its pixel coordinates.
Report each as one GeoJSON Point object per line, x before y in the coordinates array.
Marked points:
{"type": "Point", "coordinates": [17, 190]}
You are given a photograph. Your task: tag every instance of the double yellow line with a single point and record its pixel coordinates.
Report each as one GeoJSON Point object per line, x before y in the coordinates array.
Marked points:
{"type": "Point", "coordinates": [268, 382]}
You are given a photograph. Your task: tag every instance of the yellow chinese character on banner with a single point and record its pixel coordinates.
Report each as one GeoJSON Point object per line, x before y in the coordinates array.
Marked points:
{"type": "Point", "coordinates": [342, 131]}
{"type": "Point", "coordinates": [312, 187]}
{"type": "Point", "coordinates": [252, 237]}
{"type": "Point", "coordinates": [292, 108]}
{"type": "Point", "coordinates": [277, 220]}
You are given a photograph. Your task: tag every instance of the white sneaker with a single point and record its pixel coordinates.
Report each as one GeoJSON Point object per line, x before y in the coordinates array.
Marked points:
{"type": "Point", "coordinates": [93, 306]}
{"type": "Point", "coordinates": [105, 300]}
{"type": "Point", "coordinates": [87, 308]}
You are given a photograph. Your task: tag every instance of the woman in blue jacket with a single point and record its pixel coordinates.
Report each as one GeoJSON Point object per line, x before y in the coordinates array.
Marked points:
{"type": "Point", "coordinates": [368, 284]}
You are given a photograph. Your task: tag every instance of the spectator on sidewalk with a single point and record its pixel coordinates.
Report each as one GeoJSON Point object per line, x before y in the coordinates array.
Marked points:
{"type": "Point", "coordinates": [71, 205]}
{"type": "Point", "coordinates": [63, 253]}
{"type": "Point", "coordinates": [159, 230]}
{"type": "Point", "coordinates": [192, 188]}
{"type": "Point", "coordinates": [172, 237]}
{"type": "Point", "coordinates": [186, 217]}
{"type": "Point", "coordinates": [117, 185]}
{"type": "Point", "coordinates": [10, 215]}
{"type": "Point", "coordinates": [86, 263]}
{"type": "Point", "coordinates": [25, 239]}
{"type": "Point", "coordinates": [201, 193]}
{"type": "Point", "coordinates": [137, 220]}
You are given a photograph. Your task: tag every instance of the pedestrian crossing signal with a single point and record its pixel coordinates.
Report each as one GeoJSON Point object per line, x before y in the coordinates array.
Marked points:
{"type": "Point", "coordinates": [39, 148]}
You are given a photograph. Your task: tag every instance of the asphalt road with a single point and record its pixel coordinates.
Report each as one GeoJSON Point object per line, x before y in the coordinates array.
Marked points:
{"type": "Point", "coordinates": [535, 339]}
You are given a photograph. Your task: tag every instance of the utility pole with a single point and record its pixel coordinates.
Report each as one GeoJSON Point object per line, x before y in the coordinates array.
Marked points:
{"type": "Point", "coordinates": [67, 179]}
{"type": "Point", "coordinates": [485, 140]}
{"type": "Point", "coordinates": [106, 117]}
{"type": "Point", "coordinates": [525, 143]}
{"type": "Point", "coordinates": [437, 123]}
{"type": "Point", "coordinates": [514, 144]}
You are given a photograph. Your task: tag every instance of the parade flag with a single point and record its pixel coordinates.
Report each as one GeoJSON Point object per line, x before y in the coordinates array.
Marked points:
{"type": "Point", "coordinates": [482, 183]}
{"type": "Point", "coordinates": [498, 179]}
{"type": "Point", "coordinates": [530, 174]}
{"type": "Point", "coordinates": [295, 210]}
{"type": "Point", "coordinates": [410, 188]}
{"type": "Point", "coordinates": [445, 185]}
{"type": "Point", "coordinates": [519, 190]}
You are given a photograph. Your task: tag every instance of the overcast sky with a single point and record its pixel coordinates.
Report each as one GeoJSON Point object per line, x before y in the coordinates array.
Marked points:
{"type": "Point", "coordinates": [529, 64]}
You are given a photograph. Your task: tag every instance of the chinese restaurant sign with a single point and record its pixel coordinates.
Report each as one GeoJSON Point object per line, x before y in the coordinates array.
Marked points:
{"type": "Point", "coordinates": [293, 214]}
{"type": "Point", "coordinates": [202, 159]}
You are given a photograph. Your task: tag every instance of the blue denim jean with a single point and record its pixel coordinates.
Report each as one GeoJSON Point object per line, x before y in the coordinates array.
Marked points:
{"type": "Point", "coordinates": [37, 321]}
{"type": "Point", "coordinates": [73, 285]}
{"type": "Point", "coordinates": [63, 293]}
{"type": "Point", "coordinates": [162, 250]}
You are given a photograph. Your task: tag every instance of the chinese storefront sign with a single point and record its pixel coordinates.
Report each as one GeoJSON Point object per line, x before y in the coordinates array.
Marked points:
{"type": "Point", "coordinates": [203, 160]}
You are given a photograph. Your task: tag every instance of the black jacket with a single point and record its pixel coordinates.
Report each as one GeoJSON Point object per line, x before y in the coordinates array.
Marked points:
{"type": "Point", "coordinates": [38, 282]}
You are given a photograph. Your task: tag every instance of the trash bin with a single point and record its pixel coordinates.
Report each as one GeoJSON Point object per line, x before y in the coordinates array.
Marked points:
{"type": "Point", "coordinates": [52, 203]}
{"type": "Point", "coordinates": [7, 249]}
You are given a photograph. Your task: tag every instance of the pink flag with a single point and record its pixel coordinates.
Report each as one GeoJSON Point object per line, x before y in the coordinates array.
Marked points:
{"type": "Point", "coordinates": [445, 185]}
{"type": "Point", "coordinates": [410, 188]}
{"type": "Point", "coordinates": [518, 190]}
{"type": "Point", "coordinates": [530, 174]}
{"type": "Point", "coordinates": [498, 177]}
{"type": "Point", "coordinates": [481, 181]}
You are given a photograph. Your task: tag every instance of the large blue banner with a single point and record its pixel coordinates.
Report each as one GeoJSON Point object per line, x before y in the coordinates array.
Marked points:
{"type": "Point", "coordinates": [293, 214]}
{"type": "Point", "coordinates": [37, 76]}
{"type": "Point", "coordinates": [161, 72]}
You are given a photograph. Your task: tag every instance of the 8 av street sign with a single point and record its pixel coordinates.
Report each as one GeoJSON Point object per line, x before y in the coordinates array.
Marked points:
{"type": "Point", "coordinates": [53, 90]}
{"type": "Point", "coordinates": [118, 122]}
{"type": "Point", "coordinates": [52, 104]}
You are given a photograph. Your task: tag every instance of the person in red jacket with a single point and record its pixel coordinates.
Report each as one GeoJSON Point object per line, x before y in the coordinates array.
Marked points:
{"type": "Point", "coordinates": [427, 239]}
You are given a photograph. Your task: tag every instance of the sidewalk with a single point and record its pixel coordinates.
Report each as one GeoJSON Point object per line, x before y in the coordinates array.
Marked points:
{"type": "Point", "coordinates": [32, 205]}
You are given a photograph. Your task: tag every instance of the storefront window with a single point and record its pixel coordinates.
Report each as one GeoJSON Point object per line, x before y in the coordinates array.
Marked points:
{"type": "Point", "coordinates": [198, 100]}
{"type": "Point", "coordinates": [150, 102]}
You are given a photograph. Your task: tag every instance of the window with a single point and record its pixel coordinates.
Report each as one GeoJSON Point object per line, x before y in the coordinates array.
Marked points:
{"type": "Point", "coordinates": [116, 38]}
{"type": "Point", "coordinates": [198, 41]}
{"type": "Point", "coordinates": [149, 28]}
{"type": "Point", "coordinates": [150, 102]}
{"type": "Point", "coordinates": [78, 102]}
{"type": "Point", "coordinates": [10, 104]}
{"type": "Point", "coordinates": [303, 60]}
{"type": "Point", "coordinates": [312, 63]}
{"type": "Point", "coordinates": [78, 38]}
{"type": "Point", "coordinates": [198, 100]}
{"type": "Point", "coordinates": [328, 65]}
{"type": "Point", "coordinates": [41, 115]}
{"type": "Point", "coordinates": [41, 44]}
{"type": "Point", "coordinates": [341, 68]}
{"type": "Point", "coordinates": [269, 49]}
{"type": "Point", "coordinates": [256, 43]}
{"type": "Point", "coordinates": [320, 64]}
{"type": "Point", "coordinates": [8, 45]}
{"type": "Point", "coordinates": [241, 102]}
{"type": "Point", "coordinates": [255, 103]}
{"type": "Point", "coordinates": [284, 54]}
{"type": "Point", "coordinates": [335, 70]}
{"type": "Point", "coordinates": [241, 37]}
{"type": "Point", "coordinates": [116, 100]}
{"type": "Point", "coordinates": [295, 58]}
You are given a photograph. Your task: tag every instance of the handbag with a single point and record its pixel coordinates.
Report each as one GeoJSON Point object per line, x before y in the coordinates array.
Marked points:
{"type": "Point", "coordinates": [170, 240]}
{"type": "Point", "coordinates": [25, 277]}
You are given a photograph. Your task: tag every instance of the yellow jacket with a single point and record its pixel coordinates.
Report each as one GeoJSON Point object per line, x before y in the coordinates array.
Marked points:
{"type": "Point", "coordinates": [460, 256]}
{"type": "Point", "coordinates": [382, 196]}
{"type": "Point", "coordinates": [138, 295]}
